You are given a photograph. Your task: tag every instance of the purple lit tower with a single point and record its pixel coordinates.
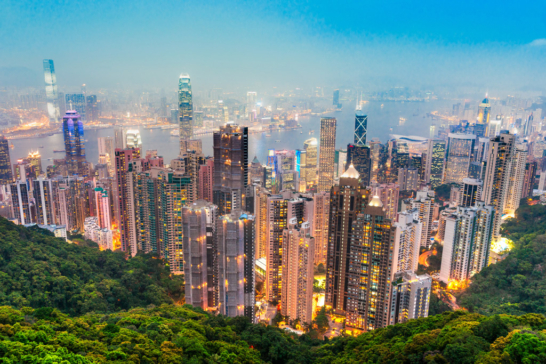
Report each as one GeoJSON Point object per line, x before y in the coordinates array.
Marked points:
{"type": "Point", "coordinates": [74, 143]}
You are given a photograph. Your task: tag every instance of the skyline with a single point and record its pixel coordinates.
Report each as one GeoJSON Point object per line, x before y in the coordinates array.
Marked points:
{"type": "Point", "coordinates": [242, 44]}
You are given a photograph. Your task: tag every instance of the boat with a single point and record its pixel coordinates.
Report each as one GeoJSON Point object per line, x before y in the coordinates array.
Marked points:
{"type": "Point", "coordinates": [58, 151]}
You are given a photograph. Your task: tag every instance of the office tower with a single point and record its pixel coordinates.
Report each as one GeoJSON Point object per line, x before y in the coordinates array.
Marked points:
{"type": "Point", "coordinates": [454, 195]}
{"type": "Point", "coordinates": [102, 206]}
{"type": "Point", "coordinates": [435, 162]}
{"type": "Point", "coordinates": [321, 221]}
{"type": "Point", "coordinates": [497, 176]}
{"type": "Point", "coordinates": [43, 200]}
{"type": "Point", "coordinates": [458, 157]}
{"type": "Point", "coordinates": [432, 131]}
{"type": "Point", "coordinates": [125, 213]}
{"type": "Point", "coordinates": [424, 203]}
{"type": "Point", "coordinates": [262, 222]}
{"type": "Point", "coordinates": [198, 118]}
{"type": "Point", "coordinates": [24, 170]}
{"type": "Point", "coordinates": [256, 172]}
{"type": "Point", "coordinates": [76, 102]}
{"type": "Point", "coordinates": [360, 157]}
{"type": "Point", "coordinates": [185, 108]}
{"type": "Point", "coordinates": [528, 179]}
{"type": "Point", "coordinates": [297, 272]}
{"type": "Point", "coordinates": [370, 268]}
{"type": "Point", "coordinates": [133, 139]}
{"type": "Point", "coordinates": [361, 127]}
{"type": "Point", "coordinates": [250, 103]}
{"type": "Point", "coordinates": [408, 179]}
{"type": "Point", "coordinates": [326, 157]}
{"type": "Point", "coordinates": [471, 192]}
{"type": "Point", "coordinates": [92, 108]}
{"type": "Point", "coordinates": [230, 167]}
{"type": "Point", "coordinates": [340, 162]}
{"type": "Point", "coordinates": [484, 112]}
{"type": "Point", "coordinates": [106, 149]}
{"type": "Point", "coordinates": [336, 99]}
{"type": "Point", "coordinates": [288, 180]}
{"type": "Point", "coordinates": [200, 254]}
{"type": "Point", "coordinates": [410, 297]}
{"type": "Point", "coordinates": [102, 236]}
{"type": "Point", "coordinates": [35, 160]}
{"type": "Point", "coordinates": [206, 172]}
{"type": "Point", "coordinates": [51, 91]}
{"type": "Point", "coordinates": [236, 274]}
{"type": "Point", "coordinates": [74, 143]}
{"type": "Point", "coordinates": [467, 241]}
{"type": "Point", "coordinates": [347, 200]}
{"type": "Point", "coordinates": [21, 202]}
{"type": "Point", "coordinates": [277, 215]}
{"type": "Point", "coordinates": [71, 204]}
{"type": "Point", "coordinates": [188, 164]}
{"type": "Point", "coordinates": [407, 241]}
{"type": "Point", "coordinates": [309, 173]}
{"type": "Point", "coordinates": [388, 194]}
{"type": "Point", "coordinates": [516, 181]}
{"type": "Point", "coordinates": [475, 170]}
{"type": "Point", "coordinates": [6, 175]}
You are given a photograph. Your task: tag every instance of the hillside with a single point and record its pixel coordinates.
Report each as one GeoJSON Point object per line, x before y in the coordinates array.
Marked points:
{"type": "Point", "coordinates": [182, 334]}
{"type": "Point", "coordinates": [39, 270]}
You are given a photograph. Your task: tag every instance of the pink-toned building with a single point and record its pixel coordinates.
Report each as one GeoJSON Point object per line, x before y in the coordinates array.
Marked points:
{"type": "Point", "coordinates": [102, 208]}
{"type": "Point", "coordinates": [388, 194]}
{"type": "Point", "coordinates": [205, 180]}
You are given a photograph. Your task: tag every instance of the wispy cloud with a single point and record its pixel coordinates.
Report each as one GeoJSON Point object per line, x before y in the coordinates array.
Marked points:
{"type": "Point", "coordinates": [541, 42]}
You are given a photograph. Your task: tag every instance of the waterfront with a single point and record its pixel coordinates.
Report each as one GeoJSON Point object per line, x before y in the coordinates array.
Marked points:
{"type": "Point", "coordinates": [380, 120]}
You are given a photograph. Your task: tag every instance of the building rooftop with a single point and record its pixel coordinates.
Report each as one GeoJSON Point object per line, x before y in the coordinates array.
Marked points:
{"type": "Point", "coordinates": [351, 172]}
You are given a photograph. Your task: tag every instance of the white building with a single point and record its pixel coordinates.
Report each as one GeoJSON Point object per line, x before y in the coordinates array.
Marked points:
{"type": "Point", "coordinates": [103, 237]}
{"type": "Point", "coordinates": [407, 241]}
{"type": "Point", "coordinates": [410, 297]}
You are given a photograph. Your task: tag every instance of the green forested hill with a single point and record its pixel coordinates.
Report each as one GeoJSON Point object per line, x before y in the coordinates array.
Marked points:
{"type": "Point", "coordinates": [182, 334]}
{"type": "Point", "coordinates": [39, 270]}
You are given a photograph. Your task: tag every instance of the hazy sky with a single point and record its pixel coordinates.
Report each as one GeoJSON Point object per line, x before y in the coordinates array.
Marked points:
{"type": "Point", "coordinates": [254, 44]}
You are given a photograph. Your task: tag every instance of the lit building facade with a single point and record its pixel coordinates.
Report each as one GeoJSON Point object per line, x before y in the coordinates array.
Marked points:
{"type": "Point", "coordinates": [74, 143]}
{"type": "Point", "coordinates": [360, 157]}
{"type": "Point", "coordinates": [185, 109]}
{"type": "Point", "coordinates": [434, 171]}
{"type": "Point", "coordinates": [326, 157]}
{"type": "Point", "coordinates": [407, 241]}
{"type": "Point", "coordinates": [6, 176]}
{"type": "Point", "coordinates": [410, 297]}
{"type": "Point", "coordinates": [458, 157]}
{"type": "Point", "coordinates": [52, 94]}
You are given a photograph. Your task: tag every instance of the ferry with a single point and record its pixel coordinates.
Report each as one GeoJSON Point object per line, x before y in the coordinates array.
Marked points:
{"type": "Point", "coordinates": [58, 151]}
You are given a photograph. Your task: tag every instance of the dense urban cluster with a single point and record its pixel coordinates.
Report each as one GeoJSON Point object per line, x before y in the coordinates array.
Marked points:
{"type": "Point", "coordinates": [248, 235]}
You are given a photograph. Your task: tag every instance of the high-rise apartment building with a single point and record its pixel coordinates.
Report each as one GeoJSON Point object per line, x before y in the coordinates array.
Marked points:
{"type": "Point", "coordinates": [92, 108]}
{"type": "Point", "coordinates": [297, 272]}
{"type": "Point", "coordinates": [528, 179]}
{"type": "Point", "coordinates": [35, 160]}
{"type": "Point", "coordinates": [251, 98]}
{"type": "Point", "coordinates": [424, 203]}
{"type": "Point", "coordinates": [277, 221]}
{"type": "Point", "coordinates": [497, 175]}
{"type": "Point", "coordinates": [200, 254]}
{"type": "Point", "coordinates": [410, 297]}
{"type": "Point", "coordinates": [21, 202]}
{"type": "Point", "coordinates": [206, 172]}
{"type": "Point", "coordinates": [309, 172]}
{"type": "Point", "coordinates": [370, 268]}
{"type": "Point", "coordinates": [230, 167]}
{"type": "Point", "coordinates": [326, 157]}
{"type": "Point", "coordinates": [408, 179]}
{"type": "Point", "coordinates": [106, 149]}
{"type": "Point", "coordinates": [51, 91]}
{"type": "Point", "coordinates": [516, 182]}
{"type": "Point", "coordinates": [360, 157]}
{"type": "Point", "coordinates": [133, 139]}
{"type": "Point", "coordinates": [389, 195]}
{"type": "Point", "coordinates": [321, 221]}
{"type": "Point", "coordinates": [458, 157]}
{"type": "Point", "coordinates": [347, 200]}
{"type": "Point", "coordinates": [74, 143]}
{"type": "Point", "coordinates": [262, 223]}
{"type": "Point", "coordinates": [470, 192]}
{"type": "Point", "coordinates": [43, 201]}
{"type": "Point", "coordinates": [6, 175]}
{"type": "Point", "coordinates": [407, 241]}
{"type": "Point", "coordinates": [434, 171]}
{"type": "Point", "coordinates": [185, 109]}
{"type": "Point", "coordinates": [467, 241]}
{"type": "Point", "coordinates": [236, 273]}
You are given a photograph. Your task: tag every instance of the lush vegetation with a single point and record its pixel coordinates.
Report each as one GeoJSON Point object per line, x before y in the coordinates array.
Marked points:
{"type": "Point", "coordinates": [182, 334]}
{"type": "Point", "coordinates": [517, 284]}
{"type": "Point", "coordinates": [39, 270]}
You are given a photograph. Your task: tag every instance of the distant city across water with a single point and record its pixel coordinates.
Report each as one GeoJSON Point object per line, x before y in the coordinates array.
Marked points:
{"type": "Point", "coordinates": [380, 120]}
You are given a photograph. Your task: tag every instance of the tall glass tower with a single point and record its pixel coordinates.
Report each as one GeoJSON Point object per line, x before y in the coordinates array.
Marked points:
{"type": "Point", "coordinates": [361, 125]}
{"type": "Point", "coordinates": [51, 91]}
{"type": "Point", "coordinates": [74, 143]}
{"type": "Point", "coordinates": [185, 109]}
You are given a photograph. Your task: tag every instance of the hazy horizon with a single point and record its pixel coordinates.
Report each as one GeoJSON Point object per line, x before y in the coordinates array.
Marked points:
{"type": "Point", "coordinates": [247, 45]}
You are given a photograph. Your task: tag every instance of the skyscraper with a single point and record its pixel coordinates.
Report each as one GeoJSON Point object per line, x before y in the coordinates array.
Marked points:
{"type": "Point", "coordinates": [92, 108]}
{"type": "Point", "coordinates": [250, 103]}
{"type": "Point", "coordinates": [124, 198]}
{"type": "Point", "coordinates": [389, 194]}
{"type": "Point", "coordinates": [347, 200]}
{"type": "Point", "coordinates": [471, 192]}
{"type": "Point", "coordinates": [327, 151]}
{"type": "Point", "coordinates": [458, 157]}
{"type": "Point", "coordinates": [467, 241]}
{"type": "Point", "coordinates": [517, 176]}
{"type": "Point", "coordinates": [74, 143]}
{"type": "Point", "coordinates": [6, 175]}
{"type": "Point", "coordinates": [35, 160]}
{"type": "Point", "coordinates": [361, 127]}
{"type": "Point", "coordinates": [321, 220]}
{"type": "Point", "coordinates": [297, 272]}
{"type": "Point", "coordinates": [133, 139]}
{"type": "Point", "coordinates": [78, 103]}
{"type": "Point", "coordinates": [236, 273]}
{"type": "Point", "coordinates": [106, 149]}
{"type": "Point", "coordinates": [51, 91]}
{"type": "Point", "coordinates": [360, 157]}
{"type": "Point", "coordinates": [206, 180]}
{"type": "Point", "coordinates": [336, 98]}
{"type": "Point", "coordinates": [230, 167]}
{"type": "Point", "coordinates": [309, 173]}
{"type": "Point", "coordinates": [407, 241]}
{"type": "Point", "coordinates": [484, 112]}
{"type": "Point", "coordinates": [434, 171]}
{"type": "Point", "coordinates": [185, 108]}
{"type": "Point", "coordinates": [424, 203]}
{"type": "Point", "coordinates": [21, 202]}
{"type": "Point", "coordinates": [410, 297]}
{"type": "Point", "coordinates": [497, 175]}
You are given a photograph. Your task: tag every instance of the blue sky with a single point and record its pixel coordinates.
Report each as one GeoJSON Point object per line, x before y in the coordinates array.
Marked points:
{"type": "Point", "coordinates": [487, 44]}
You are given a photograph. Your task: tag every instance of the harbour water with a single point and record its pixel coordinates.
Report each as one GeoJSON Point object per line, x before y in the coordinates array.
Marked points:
{"type": "Point", "coordinates": [381, 118]}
